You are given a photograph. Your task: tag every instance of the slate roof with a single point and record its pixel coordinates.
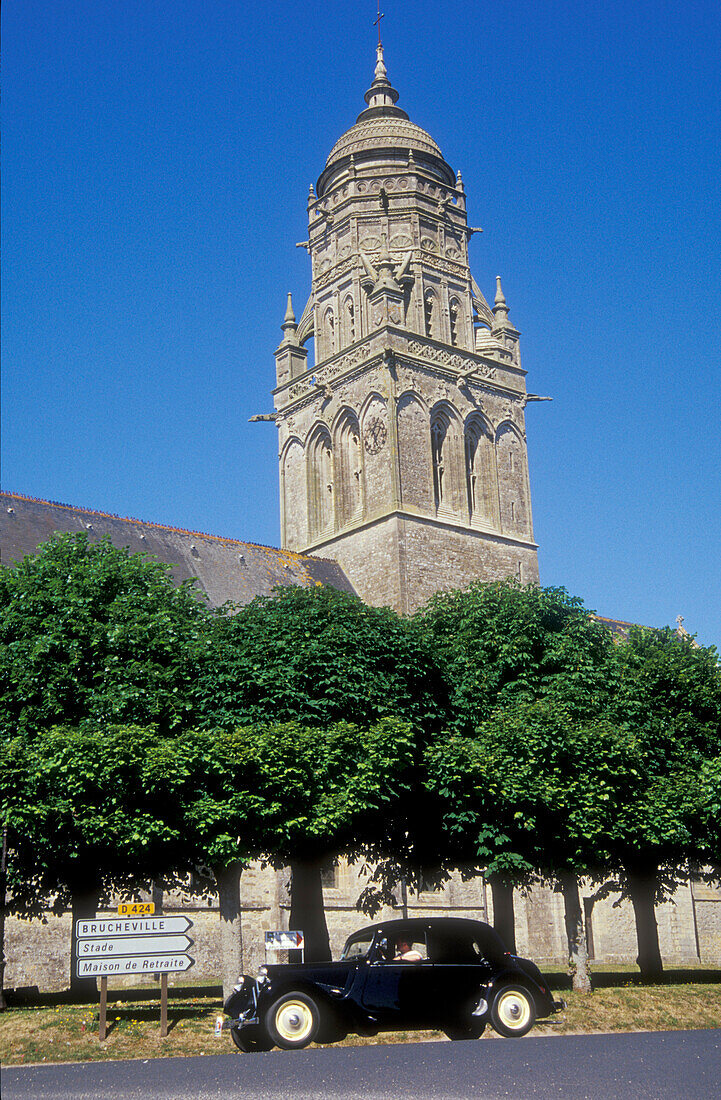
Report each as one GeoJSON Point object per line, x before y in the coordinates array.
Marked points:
{"type": "Point", "coordinates": [226, 569]}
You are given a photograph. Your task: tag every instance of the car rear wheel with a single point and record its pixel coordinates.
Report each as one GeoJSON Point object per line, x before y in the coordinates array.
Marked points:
{"type": "Point", "coordinates": [513, 1011]}
{"type": "Point", "coordinates": [465, 1031]}
{"type": "Point", "coordinates": [252, 1039]}
{"type": "Point", "coordinates": [293, 1021]}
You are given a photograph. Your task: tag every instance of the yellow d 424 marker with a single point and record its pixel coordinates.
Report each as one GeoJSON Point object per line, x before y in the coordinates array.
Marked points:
{"type": "Point", "coordinates": [136, 908]}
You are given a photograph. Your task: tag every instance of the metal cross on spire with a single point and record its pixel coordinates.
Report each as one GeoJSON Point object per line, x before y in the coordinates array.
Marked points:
{"type": "Point", "coordinates": [377, 22]}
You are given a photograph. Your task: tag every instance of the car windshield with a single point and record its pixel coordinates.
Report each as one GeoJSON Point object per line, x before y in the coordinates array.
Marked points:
{"type": "Point", "coordinates": [358, 946]}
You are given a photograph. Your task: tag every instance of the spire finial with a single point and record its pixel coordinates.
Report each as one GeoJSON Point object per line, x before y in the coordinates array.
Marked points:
{"type": "Point", "coordinates": [377, 22]}
{"type": "Point", "coordinates": [500, 308]}
{"type": "Point", "coordinates": [289, 326]}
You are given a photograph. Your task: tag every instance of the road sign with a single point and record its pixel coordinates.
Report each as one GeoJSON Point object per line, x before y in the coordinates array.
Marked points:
{"type": "Point", "coordinates": [135, 964]}
{"type": "Point", "coordinates": [283, 941]}
{"type": "Point", "coordinates": [131, 926]}
{"type": "Point", "coordinates": [133, 945]}
{"type": "Point", "coordinates": [136, 908]}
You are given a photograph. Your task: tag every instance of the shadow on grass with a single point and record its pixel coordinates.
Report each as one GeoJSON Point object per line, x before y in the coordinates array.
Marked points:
{"type": "Point", "coordinates": [608, 979]}
{"type": "Point", "coordinates": [151, 1015]}
{"type": "Point", "coordinates": [31, 997]}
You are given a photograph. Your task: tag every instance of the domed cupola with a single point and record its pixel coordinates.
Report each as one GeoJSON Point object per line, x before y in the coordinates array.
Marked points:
{"type": "Point", "coordinates": [383, 134]}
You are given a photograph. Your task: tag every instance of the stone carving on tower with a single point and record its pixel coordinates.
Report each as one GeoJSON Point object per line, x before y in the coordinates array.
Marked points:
{"type": "Point", "coordinates": [403, 449]}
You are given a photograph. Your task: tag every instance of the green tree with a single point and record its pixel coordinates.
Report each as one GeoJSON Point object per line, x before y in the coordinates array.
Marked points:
{"type": "Point", "coordinates": [318, 656]}
{"type": "Point", "coordinates": [81, 823]}
{"type": "Point", "coordinates": [287, 793]}
{"type": "Point", "coordinates": [535, 793]}
{"type": "Point", "coordinates": [668, 697]}
{"type": "Point", "coordinates": [504, 645]}
{"type": "Point", "coordinates": [93, 634]}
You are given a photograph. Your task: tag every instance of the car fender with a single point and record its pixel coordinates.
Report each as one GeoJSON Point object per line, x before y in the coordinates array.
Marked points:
{"type": "Point", "coordinates": [241, 998]}
{"type": "Point", "coordinates": [508, 977]}
{"type": "Point", "coordinates": [270, 991]}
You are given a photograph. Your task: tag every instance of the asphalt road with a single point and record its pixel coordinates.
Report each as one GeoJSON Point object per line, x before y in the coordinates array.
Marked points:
{"type": "Point", "coordinates": [683, 1065]}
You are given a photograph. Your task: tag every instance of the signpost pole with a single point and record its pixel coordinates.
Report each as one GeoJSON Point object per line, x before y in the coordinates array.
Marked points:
{"type": "Point", "coordinates": [163, 1005]}
{"type": "Point", "coordinates": [102, 1022]}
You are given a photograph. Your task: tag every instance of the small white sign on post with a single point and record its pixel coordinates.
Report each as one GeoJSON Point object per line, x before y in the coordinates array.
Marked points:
{"type": "Point", "coordinates": [285, 941]}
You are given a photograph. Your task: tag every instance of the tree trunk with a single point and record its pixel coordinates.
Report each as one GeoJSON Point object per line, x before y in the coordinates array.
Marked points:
{"type": "Point", "coordinates": [84, 906]}
{"type": "Point", "coordinates": [307, 914]}
{"type": "Point", "coordinates": [642, 890]}
{"type": "Point", "coordinates": [504, 920]}
{"type": "Point", "coordinates": [3, 902]}
{"type": "Point", "coordinates": [231, 933]}
{"type": "Point", "coordinates": [575, 934]}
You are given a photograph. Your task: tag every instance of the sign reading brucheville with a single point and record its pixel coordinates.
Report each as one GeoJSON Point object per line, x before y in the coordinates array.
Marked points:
{"type": "Point", "coordinates": [138, 926]}
{"type": "Point", "coordinates": [138, 964]}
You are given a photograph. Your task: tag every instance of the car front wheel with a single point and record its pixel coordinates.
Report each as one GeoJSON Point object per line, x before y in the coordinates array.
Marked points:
{"type": "Point", "coordinates": [513, 1011]}
{"type": "Point", "coordinates": [469, 1031]}
{"type": "Point", "coordinates": [252, 1039]}
{"type": "Point", "coordinates": [293, 1021]}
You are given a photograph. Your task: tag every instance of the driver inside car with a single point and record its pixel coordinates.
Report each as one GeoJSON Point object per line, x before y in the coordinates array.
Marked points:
{"type": "Point", "coordinates": [405, 952]}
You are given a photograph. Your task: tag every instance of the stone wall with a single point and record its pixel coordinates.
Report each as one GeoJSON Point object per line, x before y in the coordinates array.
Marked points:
{"type": "Point", "coordinates": [689, 926]}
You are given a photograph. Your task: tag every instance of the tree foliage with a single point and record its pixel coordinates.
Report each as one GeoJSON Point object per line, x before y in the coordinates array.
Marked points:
{"type": "Point", "coordinates": [505, 643]}
{"type": "Point", "coordinates": [90, 633]}
{"type": "Point", "coordinates": [317, 656]}
{"type": "Point", "coordinates": [80, 816]}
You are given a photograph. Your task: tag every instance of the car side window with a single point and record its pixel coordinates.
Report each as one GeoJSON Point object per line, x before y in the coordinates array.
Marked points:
{"type": "Point", "coordinates": [357, 949]}
{"type": "Point", "coordinates": [408, 947]}
{"type": "Point", "coordinates": [454, 947]}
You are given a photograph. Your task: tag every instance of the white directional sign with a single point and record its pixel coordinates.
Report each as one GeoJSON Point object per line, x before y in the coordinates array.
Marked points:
{"type": "Point", "coordinates": [137, 964]}
{"type": "Point", "coordinates": [132, 945]}
{"type": "Point", "coordinates": [131, 926]}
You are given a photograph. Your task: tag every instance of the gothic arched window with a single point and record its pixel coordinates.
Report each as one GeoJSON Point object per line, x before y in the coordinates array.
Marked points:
{"type": "Point", "coordinates": [513, 490]}
{"type": "Point", "coordinates": [447, 454]}
{"type": "Point", "coordinates": [349, 472]}
{"type": "Point", "coordinates": [429, 310]}
{"type": "Point", "coordinates": [348, 321]}
{"type": "Point", "coordinates": [329, 333]}
{"type": "Point", "coordinates": [439, 431]}
{"type": "Point", "coordinates": [454, 309]}
{"type": "Point", "coordinates": [320, 483]}
{"type": "Point", "coordinates": [481, 481]}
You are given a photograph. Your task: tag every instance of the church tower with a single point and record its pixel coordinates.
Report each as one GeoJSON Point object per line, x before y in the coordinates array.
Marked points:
{"type": "Point", "coordinates": [403, 450]}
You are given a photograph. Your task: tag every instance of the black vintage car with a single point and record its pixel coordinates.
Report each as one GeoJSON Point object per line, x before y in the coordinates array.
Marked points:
{"type": "Point", "coordinates": [442, 973]}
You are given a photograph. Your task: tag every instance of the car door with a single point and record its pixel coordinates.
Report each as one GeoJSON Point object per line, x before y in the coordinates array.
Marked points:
{"type": "Point", "coordinates": [459, 970]}
{"type": "Point", "coordinates": [395, 991]}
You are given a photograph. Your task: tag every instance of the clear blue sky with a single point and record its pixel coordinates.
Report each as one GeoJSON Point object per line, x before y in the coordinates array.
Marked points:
{"type": "Point", "coordinates": [157, 156]}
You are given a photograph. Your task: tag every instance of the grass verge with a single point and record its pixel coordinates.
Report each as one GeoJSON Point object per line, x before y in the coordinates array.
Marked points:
{"type": "Point", "coordinates": [69, 1033]}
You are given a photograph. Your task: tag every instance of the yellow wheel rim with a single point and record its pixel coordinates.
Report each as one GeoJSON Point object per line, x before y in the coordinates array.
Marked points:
{"type": "Point", "coordinates": [514, 1010]}
{"type": "Point", "coordinates": [293, 1021]}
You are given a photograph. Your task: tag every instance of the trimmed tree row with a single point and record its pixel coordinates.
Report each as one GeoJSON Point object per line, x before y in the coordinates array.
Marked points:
{"type": "Point", "coordinates": [501, 728]}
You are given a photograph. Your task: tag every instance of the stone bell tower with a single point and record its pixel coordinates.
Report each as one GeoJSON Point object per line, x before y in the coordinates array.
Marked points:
{"type": "Point", "coordinates": [403, 450]}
